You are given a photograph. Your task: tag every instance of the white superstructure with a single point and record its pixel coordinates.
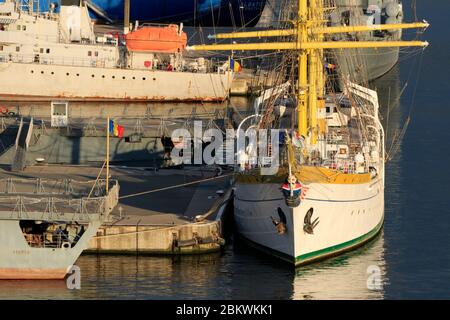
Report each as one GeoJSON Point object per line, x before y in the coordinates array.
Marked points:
{"type": "Point", "coordinates": [59, 55]}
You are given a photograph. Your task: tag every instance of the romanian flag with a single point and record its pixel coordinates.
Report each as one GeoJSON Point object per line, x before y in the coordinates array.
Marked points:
{"type": "Point", "coordinates": [235, 66]}
{"type": "Point", "coordinates": [116, 129]}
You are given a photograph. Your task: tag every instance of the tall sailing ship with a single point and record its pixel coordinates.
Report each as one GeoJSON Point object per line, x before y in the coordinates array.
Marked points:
{"type": "Point", "coordinates": [327, 194]}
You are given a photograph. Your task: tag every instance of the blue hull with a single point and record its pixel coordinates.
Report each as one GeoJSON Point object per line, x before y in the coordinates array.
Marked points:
{"type": "Point", "coordinates": [191, 12]}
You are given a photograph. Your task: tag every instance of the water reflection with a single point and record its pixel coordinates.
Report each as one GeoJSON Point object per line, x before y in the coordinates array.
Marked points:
{"type": "Point", "coordinates": [345, 277]}
{"type": "Point", "coordinates": [32, 289]}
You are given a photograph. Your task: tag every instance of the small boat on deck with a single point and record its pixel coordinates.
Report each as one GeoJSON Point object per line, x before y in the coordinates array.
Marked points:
{"type": "Point", "coordinates": [168, 39]}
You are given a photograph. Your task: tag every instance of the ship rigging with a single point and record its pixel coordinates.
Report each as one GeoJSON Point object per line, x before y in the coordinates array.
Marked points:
{"type": "Point", "coordinates": [332, 193]}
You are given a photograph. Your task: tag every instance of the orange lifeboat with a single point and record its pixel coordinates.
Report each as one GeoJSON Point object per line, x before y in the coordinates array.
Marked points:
{"type": "Point", "coordinates": [166, 39]}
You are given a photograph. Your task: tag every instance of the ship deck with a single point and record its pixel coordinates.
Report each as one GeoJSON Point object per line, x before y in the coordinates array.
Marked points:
{"type": "Point", "coordinates": [171, 207]}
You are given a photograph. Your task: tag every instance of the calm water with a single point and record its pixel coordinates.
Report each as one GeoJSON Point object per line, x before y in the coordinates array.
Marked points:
{"type": "Point", "coordinates": [412, 253]}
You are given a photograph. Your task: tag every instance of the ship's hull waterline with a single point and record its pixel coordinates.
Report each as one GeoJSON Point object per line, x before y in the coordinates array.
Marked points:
{"type": "Point", "coordinates": [41, 82]}
{"type": "Point", "coordinates": [349, 216]}
{"type": "Point", "coordinates": [19, 261]}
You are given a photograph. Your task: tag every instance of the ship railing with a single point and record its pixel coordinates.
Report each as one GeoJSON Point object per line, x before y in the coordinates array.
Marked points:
{"type": "Point", "coordinates": [344, 166]}
{"type": "Point", "coordinates": [65, 200]}
{"type": "Point", "coordinates": [154, 24]}
{"type": "Point", "coordinates": [63, 61]}
{"type": "Point", "coordinates": [52, 240]}
{"type": "Point", "coordinates": [347, 166]}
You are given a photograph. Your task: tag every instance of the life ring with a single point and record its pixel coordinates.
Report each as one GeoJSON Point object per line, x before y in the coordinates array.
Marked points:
{"type": "Point", "coordinates": [3, 110]}
{"type": "Point", "coordinates": [11, 113]}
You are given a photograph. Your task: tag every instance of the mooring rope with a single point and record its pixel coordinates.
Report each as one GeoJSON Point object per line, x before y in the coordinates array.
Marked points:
{"type": "Point", "coordinates": [174, 187]}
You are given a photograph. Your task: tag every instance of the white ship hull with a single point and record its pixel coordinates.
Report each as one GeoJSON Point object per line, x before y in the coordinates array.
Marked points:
{"type": "Point", "coordinates": [41, 81]}
{"type": "Point", "coordinates": [349, 215]}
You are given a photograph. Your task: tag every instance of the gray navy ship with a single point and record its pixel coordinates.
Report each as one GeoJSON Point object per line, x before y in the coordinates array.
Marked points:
{"type": "Point", "coordinates": [372, 62]}
{"type": "Point", "coordinates": [45, 224]}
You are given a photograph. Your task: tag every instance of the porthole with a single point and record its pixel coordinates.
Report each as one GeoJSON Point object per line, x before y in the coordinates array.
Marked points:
{"type": "Point", "coordinates": [78, 74]}
{"type": "Point", "coordinates": [103, 76]}
{"type": "Point", "coordinates": [143, 78]}
{"type": "Point", "coordinates": [134, 78]}
{"type": "Point", "coordinates": [32, 71]}
{"type": "Point", "coordinates": [93, 76]}
{"type": "Point", "coordinates": [154, 79]}
{"type": "Point", "coordinates": [42, 72]}
{"type": "Point", "coordinates": [113, 77]}
{"type": "Point", "coordinates": [123, 78]}
{"type": "Point", "coordinates": [52, 72]}
{"type": "Point", "coordinates": [67, 74]}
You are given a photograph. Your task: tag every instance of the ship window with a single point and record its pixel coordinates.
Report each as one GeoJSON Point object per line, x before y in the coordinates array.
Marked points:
{"type": "Point", "coordinates": [47, 51]}
{"type": "Point", "coordinates": [52, 72]}
{"type": "Point", "coordinates": [24, 28]}
{"type": "Point", "coordinates": [154, 79]}
{"type": "Point", "coordinates": [123, 78]}
{"type": "Point", "coordinates": [17, 49]}
{"type": "Point", "coordinates": [41, 50]}
{"type": "Point", "coordinates": [78, 74]}
{"type": "Point", "coordinates": [32, 71]}
{"type": "Point", "coordinates": [59, 109]}
{"type": "Point", "coordinates": [89, 53]}
{"type": "Point", "coordinates": [103, 76]}
{"type": "Point", "coordinates": [18, 28]}
{"type": "Point", "coordinates": [113, 77]}
{"type": "Point", "coordinates": [134, 78]}
{"type": "Point", "coordinates": [1, 48]}
{"type": "Point", "coordinates": [92, 76]}
{"type": "Point", "coordinates": [96, 53]}
{"type": "Point", "coordinates": [143, 78]}
{"type": "Point", "coordinates": [67, 74]}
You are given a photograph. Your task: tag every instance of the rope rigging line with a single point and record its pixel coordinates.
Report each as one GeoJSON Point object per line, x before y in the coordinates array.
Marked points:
{"type": "Point", "coordinates": [395, 145]}
{"type": "Point", "coordinates": [174, 187]}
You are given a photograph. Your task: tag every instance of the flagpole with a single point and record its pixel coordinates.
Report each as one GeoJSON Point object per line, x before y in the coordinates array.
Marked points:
{"type": "Point", "coordinates": [107, 155]}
